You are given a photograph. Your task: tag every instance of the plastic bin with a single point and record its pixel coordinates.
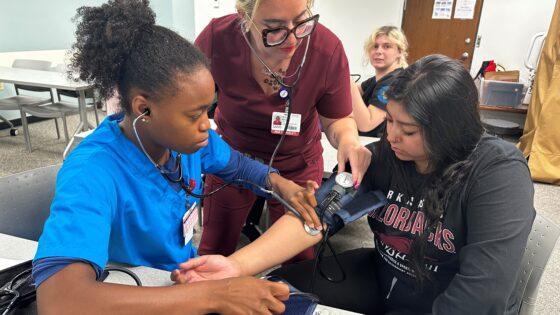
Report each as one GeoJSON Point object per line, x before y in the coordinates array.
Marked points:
{"type": "Point", "coordinates": [501, 93]}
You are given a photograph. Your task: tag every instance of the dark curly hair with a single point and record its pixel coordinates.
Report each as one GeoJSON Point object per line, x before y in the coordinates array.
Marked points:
{"type": "Point", "coordinates": [440, 95]}
{"type": "Point", "coordinates": [118, 46]}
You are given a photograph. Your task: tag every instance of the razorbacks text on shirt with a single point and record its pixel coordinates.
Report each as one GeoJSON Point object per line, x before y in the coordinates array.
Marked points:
{"type": "Point", "coordinates": [401, 219]}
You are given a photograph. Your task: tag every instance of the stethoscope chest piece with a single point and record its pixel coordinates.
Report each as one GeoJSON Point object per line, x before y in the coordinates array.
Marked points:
{"type": "Point", "coordinates": [283, 93]}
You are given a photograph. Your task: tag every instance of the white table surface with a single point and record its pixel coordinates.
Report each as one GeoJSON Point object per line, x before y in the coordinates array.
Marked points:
{"type": "Point", "coordinates": [49, 79]}
{"type": "Point", "coordinates": [329, 152]}
{"type": "Point", "coordinates": [21, 249]}
{"type": "Point", "coordinates": [15, 248]}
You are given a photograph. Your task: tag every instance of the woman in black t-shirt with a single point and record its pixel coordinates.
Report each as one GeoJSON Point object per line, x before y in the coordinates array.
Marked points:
{"type": "Point", "coordinates": [451, 237]}
{"type": "Point", "coordinates": [386, 50]}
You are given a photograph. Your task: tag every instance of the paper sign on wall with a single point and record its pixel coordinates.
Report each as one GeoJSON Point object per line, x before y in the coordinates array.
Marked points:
{"type": "Point", "coordinates": [442, 9]}
{"type": "Point", "coordinates": [464, 9]}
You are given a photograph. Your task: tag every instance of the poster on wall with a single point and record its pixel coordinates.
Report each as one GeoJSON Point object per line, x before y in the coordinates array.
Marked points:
{"type": "Point", "coordinates": [464, 9]}
{"type": "Point", "coordinates": [442, 9]}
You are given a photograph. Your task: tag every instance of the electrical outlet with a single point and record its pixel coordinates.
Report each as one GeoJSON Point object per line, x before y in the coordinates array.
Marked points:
{"type": "Point", "coordinates": [216, 3]}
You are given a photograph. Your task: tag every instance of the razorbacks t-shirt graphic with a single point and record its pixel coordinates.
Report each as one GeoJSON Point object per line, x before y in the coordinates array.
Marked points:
{"type": "Point", "coordinates": [395, 227]}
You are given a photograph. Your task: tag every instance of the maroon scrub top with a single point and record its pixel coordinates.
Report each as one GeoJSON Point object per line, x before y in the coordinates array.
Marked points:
{"type": "Point", "coordinates": [244, 112]}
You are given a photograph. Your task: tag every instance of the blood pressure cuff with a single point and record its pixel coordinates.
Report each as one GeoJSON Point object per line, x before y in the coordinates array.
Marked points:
{"type": "Point", "coordinates": [299, 302]}
{"type": "Point", "coordinates": [347, 206]}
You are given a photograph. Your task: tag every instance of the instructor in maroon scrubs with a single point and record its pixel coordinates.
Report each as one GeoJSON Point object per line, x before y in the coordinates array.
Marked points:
{"type": "Point", "coordinates": [271, 58]}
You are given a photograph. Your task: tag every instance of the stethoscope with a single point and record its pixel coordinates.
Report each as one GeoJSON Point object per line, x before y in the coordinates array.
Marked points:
{"type": "Point", "coordinates": [188, 188]}
{"type": "Point", "coordinates": [178, 165]}
{"type": "Point", "coordinates": [284, 93]}
{"type": "Point", "coordinates": [278, 79]}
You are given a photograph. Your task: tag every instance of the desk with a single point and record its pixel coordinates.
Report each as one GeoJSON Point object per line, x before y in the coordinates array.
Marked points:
{"type": "Point", "coordinates": [21, 249]}
{"type": "Point", "coordinates": [49, 79]}
{"type": "Point", "coordinates": [521, 109]}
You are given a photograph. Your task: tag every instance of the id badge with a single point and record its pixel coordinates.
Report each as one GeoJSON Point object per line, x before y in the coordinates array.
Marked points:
{"type": "Point", "coordinates": [189, 221]}
{"type": "Point", "coordinates": [279, 122]}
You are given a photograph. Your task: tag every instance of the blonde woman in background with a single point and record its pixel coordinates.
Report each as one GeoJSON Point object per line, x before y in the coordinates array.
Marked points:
{"type": "Point", "coordinates": [386, 50]}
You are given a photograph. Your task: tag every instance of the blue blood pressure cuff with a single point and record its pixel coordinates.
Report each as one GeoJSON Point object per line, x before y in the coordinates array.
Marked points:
{"type": "Point", "coordinates": [299, 302]}
{"type": "Point", "coordinates": [339, 204]}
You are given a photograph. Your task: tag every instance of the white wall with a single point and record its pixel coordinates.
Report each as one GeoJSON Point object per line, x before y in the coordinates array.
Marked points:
{"type": "Point", "coordinates": [352, 21]}
{"type": "Point", "coordinates": [204, 11]}
{"type": "Point", "coordinates": [506, 28]}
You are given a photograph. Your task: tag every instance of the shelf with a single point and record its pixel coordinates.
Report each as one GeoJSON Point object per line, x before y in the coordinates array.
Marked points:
{"type": "Point", "coordinates": [522, 109]}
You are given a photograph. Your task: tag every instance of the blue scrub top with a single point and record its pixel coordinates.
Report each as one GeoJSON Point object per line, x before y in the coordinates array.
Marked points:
{"type": "Point", "coordinates": [111, 203]}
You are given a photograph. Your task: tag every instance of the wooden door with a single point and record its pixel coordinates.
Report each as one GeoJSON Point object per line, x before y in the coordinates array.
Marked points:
{"type": "Point", "coordinates": [452, 37]}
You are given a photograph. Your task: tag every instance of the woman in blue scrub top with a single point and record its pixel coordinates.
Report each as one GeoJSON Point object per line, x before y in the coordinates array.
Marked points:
{"type": "Point", "coordinates": [128, 192]}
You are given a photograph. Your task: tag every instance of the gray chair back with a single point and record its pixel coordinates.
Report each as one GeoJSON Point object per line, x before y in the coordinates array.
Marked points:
{"type": "Point", "coordinates": [25, 200]}
{"type": "Point", "coordinates": [540, 244]}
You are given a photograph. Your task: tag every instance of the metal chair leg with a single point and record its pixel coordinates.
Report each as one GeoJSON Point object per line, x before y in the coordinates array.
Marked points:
{"type": "Point", "coordinates": [65, 126]}
{"type": "Point", "coordinates": [96, 115]}
{"type": "Point", "coordinates": [57, 131]}
{"type": "Point", "coordinates": [95, 110]}
{"type": "Point", "coordinates": [25, 129]}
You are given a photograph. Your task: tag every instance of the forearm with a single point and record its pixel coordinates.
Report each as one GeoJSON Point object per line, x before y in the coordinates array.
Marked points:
{"type": "Point", "coordinates": [83, 295]}
{"type": "Point", "coordinates": [242, 167]}
{"type": "Point", "coordinates": [367, 116]}
{"type": "Point", "coordinates": [360, 109]}
{"type": "Point", "coordinates": [342, 131]}
{"type": "Point", "coordinates": [283, 240]}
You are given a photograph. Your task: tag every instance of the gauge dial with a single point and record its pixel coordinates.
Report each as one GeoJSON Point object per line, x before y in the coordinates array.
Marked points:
{"type": "Point", "coordinates": [344, 179]}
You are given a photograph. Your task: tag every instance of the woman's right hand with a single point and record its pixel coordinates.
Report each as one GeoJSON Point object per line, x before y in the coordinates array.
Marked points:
{"type": "Point", "coordinates": [248, 295]}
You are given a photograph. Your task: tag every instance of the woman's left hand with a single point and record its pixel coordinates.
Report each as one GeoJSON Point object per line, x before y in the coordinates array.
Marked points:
{"type": "Point", "coordinates": [302, 199]}
{"type": "Point", "coordinates": [359, 158]}
{"type": "Point", "coordinates": [208, 267]}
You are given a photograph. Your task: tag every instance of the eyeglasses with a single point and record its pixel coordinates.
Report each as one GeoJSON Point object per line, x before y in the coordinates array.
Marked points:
{"type": "Point", "coordinates": [276, 36]}
{"type": "Point", "coordinates": [21, 285]}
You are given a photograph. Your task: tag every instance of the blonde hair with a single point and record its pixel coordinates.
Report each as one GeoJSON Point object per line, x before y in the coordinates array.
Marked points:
{"type": "Point", "coordinates": [251, 6]}
{"type": "Point", "coordinates": [395, 36]}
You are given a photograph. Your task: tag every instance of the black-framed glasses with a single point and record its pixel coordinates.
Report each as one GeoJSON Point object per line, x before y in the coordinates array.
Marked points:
{"type": "Point", "coordinates": [276, 36]}
{"type": "Point", "coordinates": [20, 286]}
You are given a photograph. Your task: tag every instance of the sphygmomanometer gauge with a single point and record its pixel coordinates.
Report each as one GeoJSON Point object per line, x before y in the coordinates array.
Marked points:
{"type": "Point", "coordinates": [344, 179]}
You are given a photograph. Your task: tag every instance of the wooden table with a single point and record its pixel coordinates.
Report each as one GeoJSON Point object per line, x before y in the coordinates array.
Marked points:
{"type": "Point", "coordinates": [521, 109]}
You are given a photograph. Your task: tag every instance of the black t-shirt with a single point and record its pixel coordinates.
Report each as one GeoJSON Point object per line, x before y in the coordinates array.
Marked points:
{"type": "Point", "coordinates": [374, 95]}
{"type": "Point", "coordinates": [475, 253]}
